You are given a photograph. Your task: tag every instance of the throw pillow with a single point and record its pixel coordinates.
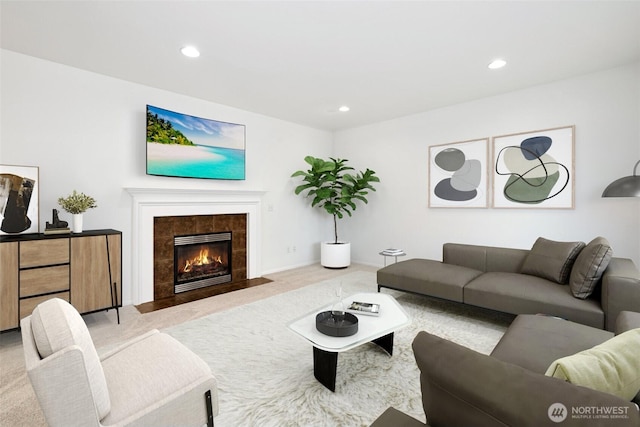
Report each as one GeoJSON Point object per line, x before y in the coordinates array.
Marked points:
{"type": "Point", "coordinates": [551, 260]}
{"type": "Point", "coordinates": [589, 266]}
{"type": "Point", "coordinates": [611, 367]}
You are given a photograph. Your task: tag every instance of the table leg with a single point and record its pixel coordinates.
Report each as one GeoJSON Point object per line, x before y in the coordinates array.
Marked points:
{"type": "Point", "coordinates": [325, 364]}
{"type": "Point", "coordinates": [386, 342]}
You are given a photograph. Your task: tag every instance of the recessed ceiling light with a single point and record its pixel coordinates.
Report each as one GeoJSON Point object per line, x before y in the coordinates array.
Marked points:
{"type": "Point", "coordinates": [190, 51]}
{"type": "Point", "coordinates": [497, 63]}
{"type": "Point", "coordinates": [344, 109]}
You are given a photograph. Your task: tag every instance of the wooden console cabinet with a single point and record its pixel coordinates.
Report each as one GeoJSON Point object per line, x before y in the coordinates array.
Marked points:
{"type": "Point", "coordinates": [82, 268]}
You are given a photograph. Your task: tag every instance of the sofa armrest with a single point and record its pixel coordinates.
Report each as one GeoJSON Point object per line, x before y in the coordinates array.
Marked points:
{"type": "Point", "coordinates": [620, 290]}
{"type": "Point", "coordinates": [462, 387]}
{"type": "Point", "coordinates": [626, 321]}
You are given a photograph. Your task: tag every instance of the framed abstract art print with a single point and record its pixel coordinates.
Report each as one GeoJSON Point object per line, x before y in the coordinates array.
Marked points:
{"type": "Point", "coordinates": [19, 203]}
{"type": "Point", "coordinates": [458, 174]}
{"type": "Point", "coordinates": [534, 169]}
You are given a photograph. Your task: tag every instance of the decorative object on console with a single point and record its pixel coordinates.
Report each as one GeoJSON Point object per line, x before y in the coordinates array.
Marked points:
{"type": "Point", "coordinates": [629, 186]}
{"type": "Point", "coordinates": [534, 169]}
{"type": "Point", "coordinates": [56, 226]}
{"type": "Point", "coordinates": [19, 202]}
{"type": "Point", "coordinates": [458, 174]}
{"type": "Point", "coordinates": [77, 204]}
{"type": "Point", "coordinates": [181, 145]}
{"type": "Point", "coordinates": [336, 191]}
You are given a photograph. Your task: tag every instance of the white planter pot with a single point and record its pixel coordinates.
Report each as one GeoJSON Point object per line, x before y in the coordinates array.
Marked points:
{"type": "Point", "coordinates": [76, 223]}
{"type": "Point", "coordinates": [334, 255]}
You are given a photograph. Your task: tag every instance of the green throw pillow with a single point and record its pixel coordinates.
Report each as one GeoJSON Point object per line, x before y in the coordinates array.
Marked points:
{"type": "Point", "coordinates": [551, 260]}
{"type": "Point", "coordinates": [611, 367]}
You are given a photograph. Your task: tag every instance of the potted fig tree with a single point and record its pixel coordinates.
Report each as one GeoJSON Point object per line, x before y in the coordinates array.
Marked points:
{"type": "Point", "coordinates": [330, 185]}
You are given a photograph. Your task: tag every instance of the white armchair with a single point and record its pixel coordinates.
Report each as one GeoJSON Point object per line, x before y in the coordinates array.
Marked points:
{"type": "Point", "coordinates": [152, 380]}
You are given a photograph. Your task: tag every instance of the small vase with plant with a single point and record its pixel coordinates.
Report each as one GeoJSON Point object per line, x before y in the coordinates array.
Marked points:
{"type": "Point", "coordinates": [335, 189]}
{"type": "Point", "coordinates": [77, 204]}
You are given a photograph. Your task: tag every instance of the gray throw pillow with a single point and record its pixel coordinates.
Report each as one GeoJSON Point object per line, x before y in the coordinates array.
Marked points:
{"type": "Point", "coordinates": [552, 260]}
{"type": "Point", "coordinates": [589, 266]}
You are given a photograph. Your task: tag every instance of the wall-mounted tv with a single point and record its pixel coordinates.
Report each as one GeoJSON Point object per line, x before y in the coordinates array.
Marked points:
{"type": "Point", "coordinates": [185, 146]}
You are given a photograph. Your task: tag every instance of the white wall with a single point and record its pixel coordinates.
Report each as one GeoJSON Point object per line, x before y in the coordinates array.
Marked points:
{"type": "Point", "coordinates": [86, 132]}
{"type": "Point", "coordinates": [604, 107]}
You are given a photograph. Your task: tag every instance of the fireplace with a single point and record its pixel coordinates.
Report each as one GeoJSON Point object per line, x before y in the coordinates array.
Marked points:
{"type": "Point", "coordinates": [151, 252]}
{"type": "Point", "coordinates": [201, 260]}
{"type": "Point", "coordinates": [183, 242]}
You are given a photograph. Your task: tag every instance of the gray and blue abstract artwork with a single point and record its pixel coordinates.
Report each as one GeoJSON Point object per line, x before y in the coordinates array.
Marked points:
{"type": "Point", "coordinates": [464, 181]}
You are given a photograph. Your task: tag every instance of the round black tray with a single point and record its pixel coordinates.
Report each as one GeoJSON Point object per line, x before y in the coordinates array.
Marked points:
{"type": "Point", "coordinates": [329, 325]}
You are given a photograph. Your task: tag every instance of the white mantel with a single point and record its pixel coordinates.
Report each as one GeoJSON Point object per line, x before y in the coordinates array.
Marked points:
{"type": "Point", "coordinates": [149, 203]}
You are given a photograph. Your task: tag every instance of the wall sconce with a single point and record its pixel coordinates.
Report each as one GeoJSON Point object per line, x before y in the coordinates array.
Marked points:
{"type": "Point", "coordinates": [629, 186]}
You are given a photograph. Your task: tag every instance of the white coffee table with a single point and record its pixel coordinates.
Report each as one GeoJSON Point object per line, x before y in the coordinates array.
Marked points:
{"type": "Point", "coordinates": [377, 329]}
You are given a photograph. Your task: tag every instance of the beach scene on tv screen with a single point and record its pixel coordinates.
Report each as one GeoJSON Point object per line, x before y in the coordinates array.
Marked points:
{"type": "Point", "coordinates": [192, 147]}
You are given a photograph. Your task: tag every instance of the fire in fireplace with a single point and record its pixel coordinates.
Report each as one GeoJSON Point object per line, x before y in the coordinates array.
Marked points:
{"type": "Point", "coordinates": [201, 260]}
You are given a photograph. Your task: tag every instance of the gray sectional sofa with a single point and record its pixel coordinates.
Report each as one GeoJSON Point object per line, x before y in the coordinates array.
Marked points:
{"type": "Point", "coordinates": [512, 386]}
{"type": "Point", "coordinates": [571, 280]}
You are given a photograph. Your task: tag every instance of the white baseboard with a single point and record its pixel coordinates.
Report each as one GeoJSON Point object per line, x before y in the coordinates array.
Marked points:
{"type": "Point", "coordinates": [289, 267]}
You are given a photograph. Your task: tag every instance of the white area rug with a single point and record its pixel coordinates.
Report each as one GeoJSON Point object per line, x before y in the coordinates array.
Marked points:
{"type": "Point", "coordinates": [265, 371]}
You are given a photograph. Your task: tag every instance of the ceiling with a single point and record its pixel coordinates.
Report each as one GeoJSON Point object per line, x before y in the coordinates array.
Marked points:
{"type": "Point", "coordinates": [300, 60]}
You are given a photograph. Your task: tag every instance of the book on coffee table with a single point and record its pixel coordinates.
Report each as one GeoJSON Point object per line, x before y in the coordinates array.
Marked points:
{"type": "Point", "coordinates": [367, 308]}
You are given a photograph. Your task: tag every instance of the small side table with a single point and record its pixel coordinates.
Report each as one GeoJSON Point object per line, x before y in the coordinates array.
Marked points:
{"type": "Point", "coordinates": [386, 253]}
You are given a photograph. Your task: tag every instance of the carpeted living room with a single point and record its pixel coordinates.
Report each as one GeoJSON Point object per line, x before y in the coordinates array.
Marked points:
{"type": "Point", "coordinates": [488, 210]}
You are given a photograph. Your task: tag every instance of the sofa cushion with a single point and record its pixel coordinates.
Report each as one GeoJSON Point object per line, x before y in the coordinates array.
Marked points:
{"type": "Point", "coordinates": [56, 325]}
{"type": "Point", "coordinates": [552, 260]}
{"type": "Point", "coordinates": [611, 367]}
{"type": "Point", "coordinates": [589, 266]}
{"type": "Point", "coordinates": [427, 277]}
{"type": "Point", "coordinates": [138, 378]}
{"type": "Point", "coordinates": [524, 294]}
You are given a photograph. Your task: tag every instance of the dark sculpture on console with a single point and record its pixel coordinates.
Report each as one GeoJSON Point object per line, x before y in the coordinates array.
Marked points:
{"type": "Point", "coordinates": [56, 223]}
